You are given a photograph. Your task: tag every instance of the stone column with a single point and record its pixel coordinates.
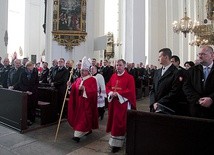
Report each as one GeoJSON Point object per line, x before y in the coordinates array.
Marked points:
{"type": "Point", "coordinates": [133, 41]}
{"type": "Point", "coordinates": [3, 27]}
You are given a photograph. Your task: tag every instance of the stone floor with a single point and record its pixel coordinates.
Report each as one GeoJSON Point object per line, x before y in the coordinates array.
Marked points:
{"type": "Point", "coordinates": [41, 141]}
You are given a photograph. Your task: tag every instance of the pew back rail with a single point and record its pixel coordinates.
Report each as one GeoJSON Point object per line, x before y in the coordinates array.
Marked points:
{"type": "Point", "coordinates": [150, 133]}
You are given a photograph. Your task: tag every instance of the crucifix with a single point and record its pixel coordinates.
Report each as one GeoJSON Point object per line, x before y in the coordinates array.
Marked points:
{"type": "Point", "coordinates": [115, 88]}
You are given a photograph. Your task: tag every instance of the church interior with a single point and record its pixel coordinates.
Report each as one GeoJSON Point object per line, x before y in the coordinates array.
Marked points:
{"type": "Point", "coordinates": [133, 30]}
{"type": "Point", "coordinates": [139, 28]}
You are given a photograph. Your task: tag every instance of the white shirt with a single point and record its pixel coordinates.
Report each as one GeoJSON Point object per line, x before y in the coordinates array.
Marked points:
{"type": "Point", "coordinates": [164, 69]}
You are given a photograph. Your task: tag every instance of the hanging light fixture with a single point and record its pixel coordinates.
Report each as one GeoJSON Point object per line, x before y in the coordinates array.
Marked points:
{"type": "Point", "coordinates": [185, 25]}
{"type": "Point", "coordinates": [204, 32]}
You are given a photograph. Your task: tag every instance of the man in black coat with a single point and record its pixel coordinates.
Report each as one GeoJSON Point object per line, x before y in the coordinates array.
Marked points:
{"type": "Point", "coordinates": [44, 74]}
{"type": "Point", "coordinates": [1, 65]}
{"type": "Point", "coordinates": [166, 85]}
{"type": "Point", "coordinates": [199, 86]}
{"type": "Point", "coordinates": [107, 71]}
{"type": "Point", "coordinates": [14, 75]}
{"type": "Point", "coordinates": [59, 81]}
{"type": "Point", "coordinates": [4, 72]}
{"type": "Point", "coordinates": [28, 82]}
{"type": "Point", "coordinates": [182, 106]}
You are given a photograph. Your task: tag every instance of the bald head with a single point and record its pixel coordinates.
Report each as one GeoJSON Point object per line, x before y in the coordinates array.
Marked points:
{"type": "Point", "coordinates": [6, 62]}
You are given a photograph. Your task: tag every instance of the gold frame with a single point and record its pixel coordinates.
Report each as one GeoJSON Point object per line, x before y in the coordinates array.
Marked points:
{"type": "Point", "coordinates": [69, 22]}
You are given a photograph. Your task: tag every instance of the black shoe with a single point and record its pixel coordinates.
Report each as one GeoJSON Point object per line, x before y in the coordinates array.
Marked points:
{"type": "Point", "coordinates": [115, 149]}
{"type": "Point", "coordinates": [90, 132]}
{"type": "Point", "coordinates": [76, 139]}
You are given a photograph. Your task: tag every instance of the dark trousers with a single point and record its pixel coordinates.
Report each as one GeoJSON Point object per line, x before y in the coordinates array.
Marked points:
{"type": "Point", "coordinates": [31, 107]}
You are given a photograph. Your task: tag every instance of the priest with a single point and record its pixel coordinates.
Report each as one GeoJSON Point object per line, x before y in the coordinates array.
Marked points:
{"type": "Point", "coordinates": [82, 105]}
{"type": "Point", "coordinates": [121, 97]}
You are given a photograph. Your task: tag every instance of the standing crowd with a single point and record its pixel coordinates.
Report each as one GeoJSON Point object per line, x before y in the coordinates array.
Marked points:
{"type": "Point", "coordinates": [93, 87]}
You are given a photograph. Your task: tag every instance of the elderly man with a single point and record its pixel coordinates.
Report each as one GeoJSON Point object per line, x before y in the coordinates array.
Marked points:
{"type": "Point", "coordinates": [82, 105]}
{"type": "Point", "coordinates": [4, 72]}
{"type": "Point", "coordinates": [200, 85]}
{"type": "Point", "coordinates": [14, 75]}
{"type": "Point", "coordinates": [59, 81]}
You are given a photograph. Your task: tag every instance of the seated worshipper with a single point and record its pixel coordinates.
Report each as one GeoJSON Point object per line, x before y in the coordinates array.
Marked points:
{"type": "Point", "coordinates": [82, 105]}
{"type": "Point", "coordinates": [121, 97]}
{"type": "Point", "coordinates": [44, 74]}
{"type": "Point", "coordinates": [14, 75]}
{"type": "Point", "coordinates": [29, 83]}
{"type": "Point", "coordinates": [101, 91]}
{"type": "Point", "coordinates": [4, 72]}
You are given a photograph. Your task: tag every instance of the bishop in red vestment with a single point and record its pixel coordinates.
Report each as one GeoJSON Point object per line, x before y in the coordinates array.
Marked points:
{"type": "Point", "coordinates": [121, 97]}
{"type": "Point", "coordinates": [82, 105]}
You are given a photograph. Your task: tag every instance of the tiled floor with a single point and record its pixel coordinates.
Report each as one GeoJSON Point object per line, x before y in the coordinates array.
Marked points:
{"type": "Point", "coordinates": [41, 141]}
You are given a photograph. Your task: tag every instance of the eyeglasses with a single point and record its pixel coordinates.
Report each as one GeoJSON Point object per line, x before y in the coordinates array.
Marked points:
{"type": "Point", "coordinates": [201, 54]}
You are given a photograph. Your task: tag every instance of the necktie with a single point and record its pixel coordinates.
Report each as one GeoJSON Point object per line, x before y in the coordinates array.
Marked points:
{"type": "Point", "coordinates": [206, 72]}
{"type": "Point", "coordinates": [163, 71]}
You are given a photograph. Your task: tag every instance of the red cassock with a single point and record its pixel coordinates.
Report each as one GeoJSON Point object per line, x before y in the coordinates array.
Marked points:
{"type": "Point", "coordinates": [117, 112]}
{"type": "Point", "coordinates": [82, 112]}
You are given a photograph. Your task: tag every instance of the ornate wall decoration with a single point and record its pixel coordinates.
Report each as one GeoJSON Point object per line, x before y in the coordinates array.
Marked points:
{"type": "Point", "coordinates": [69, 22]}
{"type": "Point", "coordinates": [109, 52]}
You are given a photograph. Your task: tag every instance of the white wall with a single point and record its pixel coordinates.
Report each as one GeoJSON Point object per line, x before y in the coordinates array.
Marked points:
{"type": "Point", "coordinates": [160, 32]}
{"type": "Point", "coordinates": [34, 32]}
{"type": "Point", "coordinates": [133, 42]}
{"type": "Point", "coordinates": [3, 26]}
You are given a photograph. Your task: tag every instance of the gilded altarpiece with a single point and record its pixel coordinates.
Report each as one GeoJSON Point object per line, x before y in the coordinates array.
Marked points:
{"type": "Point", "coordinates": [69, 22]}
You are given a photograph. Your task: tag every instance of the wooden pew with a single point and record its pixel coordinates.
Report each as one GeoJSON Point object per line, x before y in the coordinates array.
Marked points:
{"type": "Point", "coordinates": [13, 109]}
{"type": "Point", "coordinates": [151, 134]}
{"type": "Point", "coordinates": [48, 112]}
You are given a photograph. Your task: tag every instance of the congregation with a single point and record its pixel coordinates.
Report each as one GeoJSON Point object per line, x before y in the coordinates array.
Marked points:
{"type": "Point", "coordinates": [174, 90]}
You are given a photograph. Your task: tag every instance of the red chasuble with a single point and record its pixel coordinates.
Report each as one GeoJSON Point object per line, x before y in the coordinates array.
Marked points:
{"type": "Point", "coordinates": [82, 112]}
{"type": "Point", "coordinates": [117, 112]}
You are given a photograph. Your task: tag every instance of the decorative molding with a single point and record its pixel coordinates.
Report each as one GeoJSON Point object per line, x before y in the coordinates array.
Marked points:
{"type": "Point", "coordinates": [69, 22]}
{"type": "Point", "coordinates": [6, 38]}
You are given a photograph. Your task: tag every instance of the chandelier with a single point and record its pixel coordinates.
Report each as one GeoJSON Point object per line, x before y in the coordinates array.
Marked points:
{"type": "Point", "coordinates": [185, 25]}
{"type": "Point", "coordinates": [204, 33]}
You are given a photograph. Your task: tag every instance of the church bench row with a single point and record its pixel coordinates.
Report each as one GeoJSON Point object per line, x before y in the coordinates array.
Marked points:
{"type": "Point", "coordinates": [13, 108]}
{"type": "Point", "coordinates": [150, 133]}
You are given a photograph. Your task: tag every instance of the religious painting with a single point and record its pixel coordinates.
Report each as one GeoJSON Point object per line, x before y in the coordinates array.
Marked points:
{"type": "Point", "coordinates": [69, 22]}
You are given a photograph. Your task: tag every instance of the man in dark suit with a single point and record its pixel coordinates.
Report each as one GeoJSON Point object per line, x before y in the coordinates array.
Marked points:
{"type": "Point", "coordinates": [44, 74]}
{"type": "Point", "coordinates": [52, 70]}
{"type": "Point", "coordinates": [182, 106]}
{"type": "Point", "coordinates": [59, 81]}
{"type": "Point", "coordinates": [166, 85]}
{"type": "Point", "coordinates": [1, 65]}
{"type": "Point", "coordinates": [28, 82]}
{"type": "Point", "coordinates": [106, 71]}
{"type": "Point", "coordinates": [4, 72]}
{"type": "Point", "coordinates": [77, 73]}
{"type": "Point", "coordinates": [199, 86]}
{"type": "Point", "coordinates": [14, 74]}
